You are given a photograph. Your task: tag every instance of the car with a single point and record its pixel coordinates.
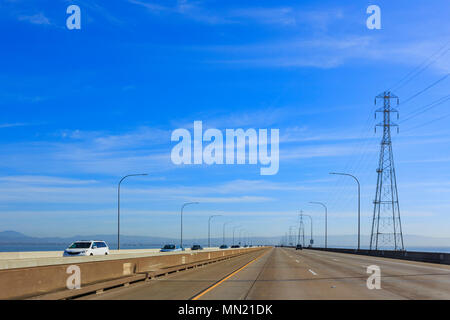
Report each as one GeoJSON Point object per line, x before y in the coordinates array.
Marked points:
{"type": "Point", "coordinates": [245, 246]}
{"type": "Point", "coordinates": [171, 248]}
{"type": "Point", "coordinates": [224, 246]}
{"type": "Point", "coordinates": [235, 246]}
{"type": "Point", "coordinates": [196, 247]}
{"type": "Point", "coordinates": [299, 247]}
{"type": "Point", "coordinates": [87, 248]}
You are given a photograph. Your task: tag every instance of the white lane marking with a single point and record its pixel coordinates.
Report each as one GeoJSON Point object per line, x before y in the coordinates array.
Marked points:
{"type": "Point", "coordinates": [371, 259]}
{"type": "Point", "coordinates": [297, 261]}
{"type": "Point", "coordinates": [313, 272]}
{"type": "Point", "coordinates": [335, 259]}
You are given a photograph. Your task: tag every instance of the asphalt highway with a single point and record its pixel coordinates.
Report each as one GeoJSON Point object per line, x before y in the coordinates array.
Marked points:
{"type": "Point", "coordinates": [286, 274]}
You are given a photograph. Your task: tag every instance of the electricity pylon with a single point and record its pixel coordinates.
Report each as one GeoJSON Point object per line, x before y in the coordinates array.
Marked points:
{"type": "Point", "coordinates": [301, 229]}
{"type": "Point", "coordinates": [386, 224]}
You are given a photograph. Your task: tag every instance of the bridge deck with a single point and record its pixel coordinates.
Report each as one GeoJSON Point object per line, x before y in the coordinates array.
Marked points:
{"type": "Point", "coordinates": [284, 273]}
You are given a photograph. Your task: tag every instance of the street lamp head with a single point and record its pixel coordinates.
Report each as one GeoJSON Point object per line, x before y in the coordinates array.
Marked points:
{"type": "Point", "coordinates": [188, 203]}
{"type": "Point", "coordinates": [138, 174]}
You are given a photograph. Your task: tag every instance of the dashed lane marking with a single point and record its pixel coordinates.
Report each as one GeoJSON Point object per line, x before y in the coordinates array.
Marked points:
{"type": "Point", "coordinates": [313, 272]}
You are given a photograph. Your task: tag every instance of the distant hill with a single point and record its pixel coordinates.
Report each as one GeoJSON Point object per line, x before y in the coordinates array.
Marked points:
{"type": "Point", "coordinates": [13, 237]}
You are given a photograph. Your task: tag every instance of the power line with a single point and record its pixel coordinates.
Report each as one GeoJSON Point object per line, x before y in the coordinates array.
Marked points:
{"type": "Point", "coordinates": [420, 68]}
{"type": "Point", "coordinates": [426, 108]}
{"type": "Point", "coordinates": [423, 90]}
{"type": "Point", "coordinates": [427, 123]}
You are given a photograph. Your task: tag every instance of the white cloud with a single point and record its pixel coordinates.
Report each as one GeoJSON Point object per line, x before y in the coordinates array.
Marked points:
{"type": "Point", "coordinates": [12, 125]}
{"type": "Point", "coordinates": [39, 18]}
{"type": "Point", "coordinates": [45, 180]}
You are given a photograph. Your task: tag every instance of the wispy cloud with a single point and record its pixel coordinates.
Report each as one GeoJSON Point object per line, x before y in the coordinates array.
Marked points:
{"type": "Point", "coordinates": [12, 125]}
{"type": "Point", "coordinates": [45, 180]}
{"type": "Point", "coordinates": [288, 16]}
{"type": "Point", "coordinates": [280, 16]}
{"type": "Point", "coordinates": [187, 9]}
{"type": "Point", "coordinates": [39, 19]}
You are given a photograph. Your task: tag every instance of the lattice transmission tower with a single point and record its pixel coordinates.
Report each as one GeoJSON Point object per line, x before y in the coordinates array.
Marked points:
{"type": "Point", "coordinates": [386, 224]}
{"type": "Point", "coordinates": [301, 230]}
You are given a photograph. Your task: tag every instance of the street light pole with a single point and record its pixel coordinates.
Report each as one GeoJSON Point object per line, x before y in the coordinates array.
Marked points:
{"type": "Point", "coordinates": [240, 234]}
{"type": "Point", "coordinates": [182, 208]}
{"type": "Point", "coordinates": [307, 215]}
{"type": "Point", "coordinates": [118, 205]}
{"type": "Point", "coordinates": [359, 204]}
{"type": "Point", "coordinates": [209, 228]}
{"type": "Point", "coordinates": [326, 220]}
{"type": "Point", "coordinates": [291, 236]}
{"type": "Point", "coordinates": [224, 231]}
{"type": "Point", "coordinates": [234, 229]}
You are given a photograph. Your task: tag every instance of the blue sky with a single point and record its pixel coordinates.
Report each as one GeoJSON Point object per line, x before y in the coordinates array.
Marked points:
{"type": "Point", "coordinates": [79, 109]}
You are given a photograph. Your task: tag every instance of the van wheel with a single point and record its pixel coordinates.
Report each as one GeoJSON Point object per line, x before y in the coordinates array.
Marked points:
{"type": "Point", "coordinates": [91, 254]}
{"type": "Point", "coordinates": [106, 253]}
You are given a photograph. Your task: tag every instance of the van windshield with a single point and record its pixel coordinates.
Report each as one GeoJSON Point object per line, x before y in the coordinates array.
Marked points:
{"type": "Point", "coordinates": [80, 245]}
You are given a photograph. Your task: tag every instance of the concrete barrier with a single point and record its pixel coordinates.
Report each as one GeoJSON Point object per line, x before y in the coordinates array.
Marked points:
{"type": "Point", "coordinates": [11, 260]}
{"type": "Point", "coordinates": [55, 254]}
{"type": "Point", "coordinates": [20, 283]}
{"type": "Point", "coordinates": [432, 257]}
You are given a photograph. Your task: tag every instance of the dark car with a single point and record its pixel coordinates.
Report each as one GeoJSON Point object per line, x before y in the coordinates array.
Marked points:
{"type": "Point", "coordinates": [171, 248]}
{"type": "Point", "coordinates": [299, 247]}
{"type": "Point", "coordinates": [235, 246]}
{"type": "Point", "coordinates": [224, 246]}
{"type": "Point", "coordinates": [196, 247]}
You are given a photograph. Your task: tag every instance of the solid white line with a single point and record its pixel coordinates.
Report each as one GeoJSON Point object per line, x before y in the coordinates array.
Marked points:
{"type": "Point", "coordinates": [373, 260]}
{"type": "Point", "coordinates": [313, 272]}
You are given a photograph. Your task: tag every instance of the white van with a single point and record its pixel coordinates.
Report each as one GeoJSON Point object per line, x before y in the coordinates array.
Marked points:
{"type": "Point", "coordinates": [87, 248]}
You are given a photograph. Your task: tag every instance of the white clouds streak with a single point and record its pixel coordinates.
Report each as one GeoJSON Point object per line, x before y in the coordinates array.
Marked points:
{"type": "Point", "coordinates": [39, 19]}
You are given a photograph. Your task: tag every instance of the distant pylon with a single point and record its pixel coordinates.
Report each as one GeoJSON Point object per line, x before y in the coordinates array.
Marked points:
{"type": "Point", "coordinates": [301, 229]}
{"type": "Point", "coordinates": [386, 224]}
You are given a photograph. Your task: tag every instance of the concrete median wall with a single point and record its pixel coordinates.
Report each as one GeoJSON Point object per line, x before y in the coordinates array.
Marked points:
{"type": "Point", "coordinates": [433, 257]}
{"type": "Point", "coordinates": [19, 283]}
{"type": "Point", "coordinates": [11, 260]}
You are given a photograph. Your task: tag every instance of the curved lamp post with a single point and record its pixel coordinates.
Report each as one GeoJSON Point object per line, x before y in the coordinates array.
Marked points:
{"type": "Point", "coordinates": [359, 203]}
{"type": "Point", "coordinates": [234, 229]}
{"type": "Point", "coordinates": [182, 208]}
{"type": "Point", "coordinates": [209, 228]}
{"type": "Point", "coordinates": [240, 234]}
{"type": "Point", "coordinates": [225, 223]}
{"type": "Point", "coordinates": [307, 215]}
{"type": "Point", "coordinates": [118, 205]}
{"type": "Point", "coordinates": [326, 219]}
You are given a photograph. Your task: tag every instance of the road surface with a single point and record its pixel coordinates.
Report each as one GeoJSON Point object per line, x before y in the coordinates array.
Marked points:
{"type": "Point", "coordinates": [286, 273]}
